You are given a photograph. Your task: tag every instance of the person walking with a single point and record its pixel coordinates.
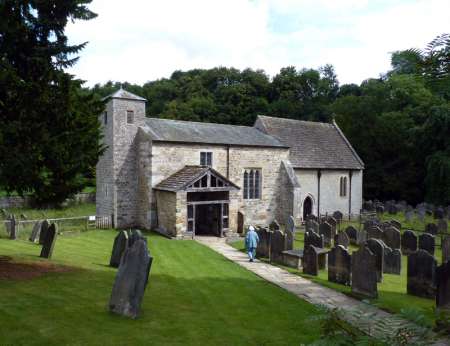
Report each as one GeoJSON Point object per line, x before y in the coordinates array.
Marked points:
{"type": "Point", "coordinates": [251, 242]}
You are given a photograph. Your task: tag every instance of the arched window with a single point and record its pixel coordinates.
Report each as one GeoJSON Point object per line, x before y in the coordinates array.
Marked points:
{"type": "Point", "coordinates": [343, 186]}
{"type": "Point", "coordinates": [252, 184]}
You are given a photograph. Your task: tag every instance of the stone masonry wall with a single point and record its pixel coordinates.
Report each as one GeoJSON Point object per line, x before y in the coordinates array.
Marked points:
{"type": "Point", "coordinates": [167, 213]}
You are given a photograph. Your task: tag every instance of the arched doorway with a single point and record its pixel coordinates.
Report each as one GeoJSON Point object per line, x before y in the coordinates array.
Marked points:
{"type": "Point", "coordinates": [307, 207]}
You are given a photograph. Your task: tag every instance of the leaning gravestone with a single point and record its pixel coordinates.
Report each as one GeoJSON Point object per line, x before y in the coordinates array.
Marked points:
{"type": "Point", "coordinates": [392, 261]}
{"type": "Point", "coordinates": [392, 237]}
{"type": "Point", "coordinates": [445, 248]}
{"type": "Point", "coordinates": [277, 246]}
{"type": "Point", "coordinates": [338, 215]}
{"type": "Point", "coordinates": [133, 236]}
{"type": "Point", "coordinates": [427, 242]}
{"type": "Point", "coordinates": [443, 287]}
{"type": "Point", "coordinates": [34, 236]}
{"type": "Point", "coordinates": [442, 226]}
{"type": "Point", "coordinates": [341, 239]}
{"type": "Point", "coordinates": [431, 228]}
{"type": "Point", "coordinates": [49, 242]}
{"type": "Point", "coordinates": [352, 234]}
{"type": "Point", "coordinates": [131, 280]}
{"type": "Point", "coordinates": [119, 247]}
{"type": "Point", "coordinates": [44, 229]}
{"type": "Point", "coordinates": [375, 233]}
{"type": "Point", "coordinates": [364, 277]}
{"type": "Point", "coordinates": [339, 265]}
{"type": "Point", "coordinates": [262, 250]}
{"type": "Point", "coordinates": [314, 239]}
{"type": "Point", "coordinates": [421, 275]}
{"type": "Point", "coordinates": [310, 260]}
{"type": "Point", "coordinates": [326, 231]}
{"type": "Point", "coordinates": [274, 226]}
{"type": "Point", "coordinates": [376, 247]}
{"type": "Point", "coordinates": [409, 242]}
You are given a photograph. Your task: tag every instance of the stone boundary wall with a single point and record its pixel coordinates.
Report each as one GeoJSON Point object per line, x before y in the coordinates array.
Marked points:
{"type": "Point", "coordinates": [21, 202]}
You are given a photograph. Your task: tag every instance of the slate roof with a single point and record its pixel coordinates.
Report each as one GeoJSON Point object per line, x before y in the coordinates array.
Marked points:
{"type": "Point", "coordinates": [313, 144]}
{"type": "Point", "coordinates": [187, 176]}
{"type": "Point", "coordinates": [208, 133]}
{"type": "Point", "coordinates": [123, 94]}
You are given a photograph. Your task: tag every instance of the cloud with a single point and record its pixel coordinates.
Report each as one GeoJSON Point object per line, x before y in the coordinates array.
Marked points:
{"type": "Point", "coordinates": [138, 41]}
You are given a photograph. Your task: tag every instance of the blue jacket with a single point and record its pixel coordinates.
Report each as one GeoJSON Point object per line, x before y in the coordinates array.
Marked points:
{"type": "Point", "coordinates": [251, 240]}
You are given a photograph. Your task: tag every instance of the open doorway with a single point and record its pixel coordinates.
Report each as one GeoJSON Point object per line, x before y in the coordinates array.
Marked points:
{"type": "Point", "coordinates": [307, 207]}
{"type": "Point", "coordinates": [208, 219]}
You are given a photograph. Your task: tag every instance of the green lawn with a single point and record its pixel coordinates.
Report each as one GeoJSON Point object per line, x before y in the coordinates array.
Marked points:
{"type": "Point", "coordinates": [194, 297]}
{"type": "Point", "coordinates": [76, 209]}
{"type": "Point", "coordinates": [392, 294]}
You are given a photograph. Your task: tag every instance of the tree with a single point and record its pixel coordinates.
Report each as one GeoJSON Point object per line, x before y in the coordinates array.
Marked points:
{"type": "Point", "coordinates": [49, 133]}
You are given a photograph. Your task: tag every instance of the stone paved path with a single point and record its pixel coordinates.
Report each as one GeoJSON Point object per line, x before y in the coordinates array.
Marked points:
{"type": "Point", "coordinates": [367, 315]}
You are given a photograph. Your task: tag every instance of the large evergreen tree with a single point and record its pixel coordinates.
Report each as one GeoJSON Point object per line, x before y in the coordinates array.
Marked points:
{"type": "Point", "coordinates": [49, 132]}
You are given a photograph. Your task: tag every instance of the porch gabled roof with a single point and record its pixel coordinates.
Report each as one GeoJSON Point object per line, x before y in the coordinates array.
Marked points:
{"type": "Point", "coordinates": [189, 177]}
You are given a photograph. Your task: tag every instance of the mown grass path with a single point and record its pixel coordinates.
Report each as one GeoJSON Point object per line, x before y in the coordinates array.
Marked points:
{"type": "Point", "coordinates": [195, 297]}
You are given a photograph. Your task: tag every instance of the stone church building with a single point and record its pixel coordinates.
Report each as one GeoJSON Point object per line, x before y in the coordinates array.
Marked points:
{"type": "Point", "coordinates": [188, 178]}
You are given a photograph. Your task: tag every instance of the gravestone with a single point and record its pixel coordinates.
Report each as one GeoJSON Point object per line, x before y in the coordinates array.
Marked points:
{"type": "Point", "coordinates": [445, 248]}
{"type": "Point", "coordinates": [326, 231]}
{"type": "Point", "coordinates": [392, 209]}
{"type": "Point", "coordinates": [44, 229]}
{"type": "Point", "coordinates": [339, 265]}
{"type": "Point", "coordinates": [427, 243]}
{"type": "Point", "coordinates": [409, 242]}
{"type": "Point", "coordinates": [364, 277]}
{"type": "Point", "coordinates": [352, 234]}
{"type": "Point", "coordinates": [338, 215]}
{"type": "Point", "coordinates": [392, 261]}
{"type": "Point", "coordinates": [262, 250]}
{"type": "Point", "coordinates": [277, 246]}
{"type": "Point", "coordinates": [332, 221]}
{"type": "Point", "coordinates": [133, 236]}
{"type": "Point", "coordinates": [290, 225]}
{"type": "Point", "coordinates": [274, 226]}
{"type": "Point", "coordinates": [421, 214]}
{"type": "Point", "coordinates": [312, 225]}
{"type": "Point", "coordinates": [379, 209]}
{"type": "Point", "coordinates": [34, 236]}
{"type": "Point", "coordinates": [396, 224]}
{"type": "Point", "coordinates": [119, 247]}
{"type": "Point", "coordinates": [375, 232]}
{"type": "Point", "coordinates": [392, 237]}
{"type": "Point", "coordinates": [368, 205]}
{"type": "Point", "coordinates": [49, 241]}
{"type": "Point", "coordinates": [341, 239]}
{"type": "Point", "coordinates": [431, 228]}
{"type": "Point", "coordinates": [409, 215]}
{"type": "Point", "coordinates": [421, 277]}
{"type": "Point", "coordinates": [443, 287]}
{"type": "Point", "coordinates": [289, 237]}
{"type": "Point", "coordinates": [240, 223]}
{"type": "Point", "coordinates": [290, 233]}
{"type": "Point", "coordinates": [314, 239]}
{"type": "Point", "coordinates": [131, 280]}
{"type": "Point", "coordinates": [368, 224]}
{"type": "Point", "coordinates": [311, 217]}
{"type": "Point", "coordinates": [310, 260]}
{"type": "Point", "coordinates": [13, 229]}
{"type": "Point", "coordinates": [376, 247]}
{"type": "Point", "coordinates": [442, 226]}
{"type": "Point", "coordinates": [385, 225]}
{"type": "Point", "coordinates": [439, 213]}
{"type": "Point", "coordinates": [361, 237]}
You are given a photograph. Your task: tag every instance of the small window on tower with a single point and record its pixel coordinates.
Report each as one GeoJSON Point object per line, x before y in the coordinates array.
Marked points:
{"type": "Point", "coordinates": [130, 117]}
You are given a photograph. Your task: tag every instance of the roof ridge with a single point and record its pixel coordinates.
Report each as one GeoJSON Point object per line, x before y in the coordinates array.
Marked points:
{"type": "Point", "coordinates": [294, 120]}
{"type": "Point", "coordinates": [198, 122]}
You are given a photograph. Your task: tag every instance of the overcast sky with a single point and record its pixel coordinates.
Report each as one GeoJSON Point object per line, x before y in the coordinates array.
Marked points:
{"type": "Point", "coordinates": [143, 40]}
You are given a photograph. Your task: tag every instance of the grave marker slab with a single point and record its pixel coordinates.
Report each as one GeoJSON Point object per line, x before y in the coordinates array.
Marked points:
{"type": "Point", "coordinates": [364, 277]}
{"type": "Point", "coordinates": [339, 265]}
{"type": "Point", "coordinates": [338, 215]}
{"type": "Point", "coordinates": [314, 239]}
{"type": "Point", "coordinates": [431, 228]}
{"type": "Point", "coordinates": [427, 243]}
{"type": "Point", "coordinates": [44, 229]}
{"type": "Point", "coordinates": [392, 237]}
{"type": "Point", "coordinates": [445, 248]}
{"type": "Point", "coordinates": [119, 247]}
{"type": "Point", "coordinates": [409, 242]}
{"type": "Point", "coordinates": [326, 231]}
{"type": "Point", "coordinates": [277, 246]}
{"type": "Point", "coordinates": [262, 250]}
{"type": "Point", "coordinates": [131, 280]}
{"type": "Point", "coordinates": [352, 234]}
{"type": "Point", "coordinates": [443, 287]}
{"type": "Point", "coordinates": [341, 239]}
{"type": "Point", "coordinates": [375, 233]}
{"type": "Point", "coordinates": [442, 226]}
{"type": "Point", "coordinates": [361, 237]}
{"type": "Point", "coordinates": [396, 224]}
{"type": "Point", "coordinates": [392, 261]}
{"type": "Point", "coordinates": [34, 236]}
{"type": "Point", "coordinates": [49, 241]}
{"type": "Point", "coordinates": [376, 247]}
{"type": "Point", "coordinates": [310, 261]}
{"type": "Point", "coordinates": [421, 276]}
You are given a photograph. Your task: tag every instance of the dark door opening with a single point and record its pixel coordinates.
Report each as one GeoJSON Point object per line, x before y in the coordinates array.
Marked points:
{"type": "Point", "coordinates": [307, 207]}
{"type": "Point", "coordinates": [208, 220]}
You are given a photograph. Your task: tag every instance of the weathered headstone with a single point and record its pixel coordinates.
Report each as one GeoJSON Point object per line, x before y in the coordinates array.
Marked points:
{"type": "Point", "coordinates": [361, 237]}
{"type": "Point", "coordinates": [131, 280]}
{"type": "Point", "coordinates": [443, 287]}
{"type": "Point", "coordinates": [326, 231]}
{"type": "Point", "coordinates": [427, 243]}
{"type": "Point", "coordinates": [439, 213]}
{"type": "Point", "coordinates": [379, 209]}
{"type": "Point", "coordinates": [314, 239]}
{"type": "Point", "coordinates": [338, 215]}
{"type": "Point", "coordinates": [277, 246]}
{"type": "Point", "coordinates": [333, 223]}
{"type": "Point", "coordinates": [392, 261]}
{"type": "Point", "coordinates": [421, 277]}
{"type": "Point", "coordinates": [262, 250]}
{"type": "Point", "coordinates": [13, 229]}
{"type": "Point", "coordinates": [352, 234]}
{"type": "Point", "coordinates": [312, 225]}
{"type": "Point", "coordinates": [310, 260]}
{"type": "Point", "coordinates": [34, 236]}
{"type": "Point", "coordinates": [339, 265]}
{"type": "Point", "coordinates": [44, 228]}
{"type": "Point", "coordinates": [396, 224]}
{"type": "Point", "coordinates": [133, 236]}
{"type": "Point", "coordinates": [274, 226]}
{"type": "Point", "coordinates": [375, 233]}
{"type": "Point", "coordinates": [442, 226]}
{"type": "Point", "coordinates": [409, 242]}
{"type": "Point", "coordinates": [49, 241]}
{"type": "Point", "coordinates": [364, 277]}
{"type": "Point", "coordinates": [290, 224]}
{"type": "Point", "coordinates": [376, 247]}
{"type": "Point", "coordinates": [341, 239]}
{"type": "Point", "coordinates": [289, 238]}
{"type": "Point", "coordinates": [445, 248]}
{"type": "Point", "coordinates": [392, 237]}
{"type": "Point", "coordinates": [119, 247]}
{"type": "Point", "coordinates": [431, 228]}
